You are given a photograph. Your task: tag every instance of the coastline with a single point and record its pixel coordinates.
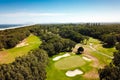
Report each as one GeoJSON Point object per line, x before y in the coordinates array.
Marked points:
{"type": "Point", "coordinates": [1, 29]}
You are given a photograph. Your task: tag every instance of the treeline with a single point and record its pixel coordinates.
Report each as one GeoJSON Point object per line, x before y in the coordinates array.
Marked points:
{"type": "Point", "coordinates": [29, 67]}
{"type": "Point", "coordinates": [112, 71]}
{"type": "Point", "coordinates": [54, 44]}
{"type": "Point", "coordinates": [71, 34]}
{"type": "Point", "coordinates": [55, 40]}
{"type": "Point", "coordinates": [9, 38]}
{"type": "Point", "coordinates": [108, 33]}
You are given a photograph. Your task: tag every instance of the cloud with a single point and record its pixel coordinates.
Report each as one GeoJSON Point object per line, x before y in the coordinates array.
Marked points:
{"type": "Point", "coordinates": [23, 17]}
{"type": "Point", "coordinates": [22, 14]}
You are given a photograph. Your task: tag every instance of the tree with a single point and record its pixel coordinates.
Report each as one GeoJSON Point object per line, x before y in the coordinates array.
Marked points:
{"type": "Point", "coordinates": [118, 46]}
{"type": "Point", "coordinates": [1, 46]}
{"type": "Point", "coordinates": [29, 67]}
{"type": "Point", "coordinates": [109, 39]}
{"type": "Point", "coordinates": [70, 34]}
{"type": "Point", "coordinates": [86, 38]}
{"type": "Point", "coordinates": [80, 50]}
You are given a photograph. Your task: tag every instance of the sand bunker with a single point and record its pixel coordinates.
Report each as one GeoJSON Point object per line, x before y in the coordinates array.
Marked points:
{"type": "Point", "coordinates": [73, 73]}
{"type": "Point", "coordinates": [59, 57]}
{"type": "Point", "coordinates": [87, 59]}
{"type": "Point", "coordinates": [22, 44]}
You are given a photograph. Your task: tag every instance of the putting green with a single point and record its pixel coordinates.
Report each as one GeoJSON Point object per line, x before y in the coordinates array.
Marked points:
{"type": "Point", "coordinates": [70, 62]}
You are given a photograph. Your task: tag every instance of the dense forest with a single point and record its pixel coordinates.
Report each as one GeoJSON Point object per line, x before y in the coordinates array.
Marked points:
{"type": "Point", "coordinates": [30, 67]}
{"type": "Point", "coordinates": [57, 38]}
{"type": "Point", "coordinates": [9, 38]}
{"type": "Point", "coordinates": [108, 33]}
{"type": "Point", "coordinates": [54, 44]}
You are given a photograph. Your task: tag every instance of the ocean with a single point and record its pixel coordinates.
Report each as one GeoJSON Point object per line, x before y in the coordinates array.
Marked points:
{"type": "Point", "coordinates": [11, 26]}
{"type": "Point", "coordinates": [5, 26]}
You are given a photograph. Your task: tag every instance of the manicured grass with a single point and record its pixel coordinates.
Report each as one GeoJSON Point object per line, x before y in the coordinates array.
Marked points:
{"type": "Point", "coordinates": [70, 62]}
{"type": "Point", "coordinates": [103, 60]}
{"type": "Point", "coordinates": [98, 46]}
{"type": "Point", "coordinates": [56, 69]}
{"type": "Point", "coordinates": [33, 43]}
{"type": "Point", "coordinates": [108, 51]}
{"type": "Point", "coordinates": [94, 41]}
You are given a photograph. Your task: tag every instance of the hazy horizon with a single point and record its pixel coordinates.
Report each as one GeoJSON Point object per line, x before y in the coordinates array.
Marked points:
{"type": "Point", "coordinates": [59, 11]}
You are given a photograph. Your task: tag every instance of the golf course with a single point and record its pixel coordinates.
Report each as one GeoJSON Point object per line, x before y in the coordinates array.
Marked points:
{"type": "Point", "coordinates": [30, 43]}
{"type": "Point", "coordinates": [66, 65]}
{"type": "Point", "coordinates": [88, 63]}
{"type": "Point", "coordinates": [59, 39]}
{"type": "Point", "coordinates": [44, 52]}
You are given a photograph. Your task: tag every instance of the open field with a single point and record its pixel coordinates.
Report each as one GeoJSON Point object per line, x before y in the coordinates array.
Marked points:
{"type": "Point", "coordinates": [98, 55]}
{"type": "Point", "coordinates": [9, 56]}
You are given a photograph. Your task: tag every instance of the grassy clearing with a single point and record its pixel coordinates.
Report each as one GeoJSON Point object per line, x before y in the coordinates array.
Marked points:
{"type": "Point", "coordinates": [33, 43]}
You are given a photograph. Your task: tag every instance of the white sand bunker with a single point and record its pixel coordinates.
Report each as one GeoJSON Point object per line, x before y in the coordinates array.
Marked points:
{"type": "Point", "coordinates": [73, 73]}
{"type": "Point", "coordinates": [22, 44]}
{"type": "Point", "coordinates": [87, 59]}
{"type": "Point", "coordinates": [59, 57]}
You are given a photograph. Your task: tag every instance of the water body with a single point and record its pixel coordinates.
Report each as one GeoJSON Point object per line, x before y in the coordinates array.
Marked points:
{"type": "Point", "coordinates": [12, 26]}
{"type": "Point", "coordinates": [2, 26]}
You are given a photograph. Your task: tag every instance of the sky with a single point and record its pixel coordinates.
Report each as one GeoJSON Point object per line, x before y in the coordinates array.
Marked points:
{"type": "Point", "coordinates": [58, 11]}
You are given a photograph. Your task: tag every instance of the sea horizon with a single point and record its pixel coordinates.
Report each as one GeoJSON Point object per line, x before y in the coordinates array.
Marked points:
{"type": "Point", "coordinates": [13, 26]}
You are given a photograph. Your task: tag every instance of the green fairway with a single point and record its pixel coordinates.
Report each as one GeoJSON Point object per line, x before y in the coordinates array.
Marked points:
{"type": "Point", "coordinates": [33, 43]}
{"type": "Point", "coordinates": [97, 44]}
{"type": "Point", "coordinates": [100, 50]}
{"type": "Point", "coordinates": [92, 40]}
